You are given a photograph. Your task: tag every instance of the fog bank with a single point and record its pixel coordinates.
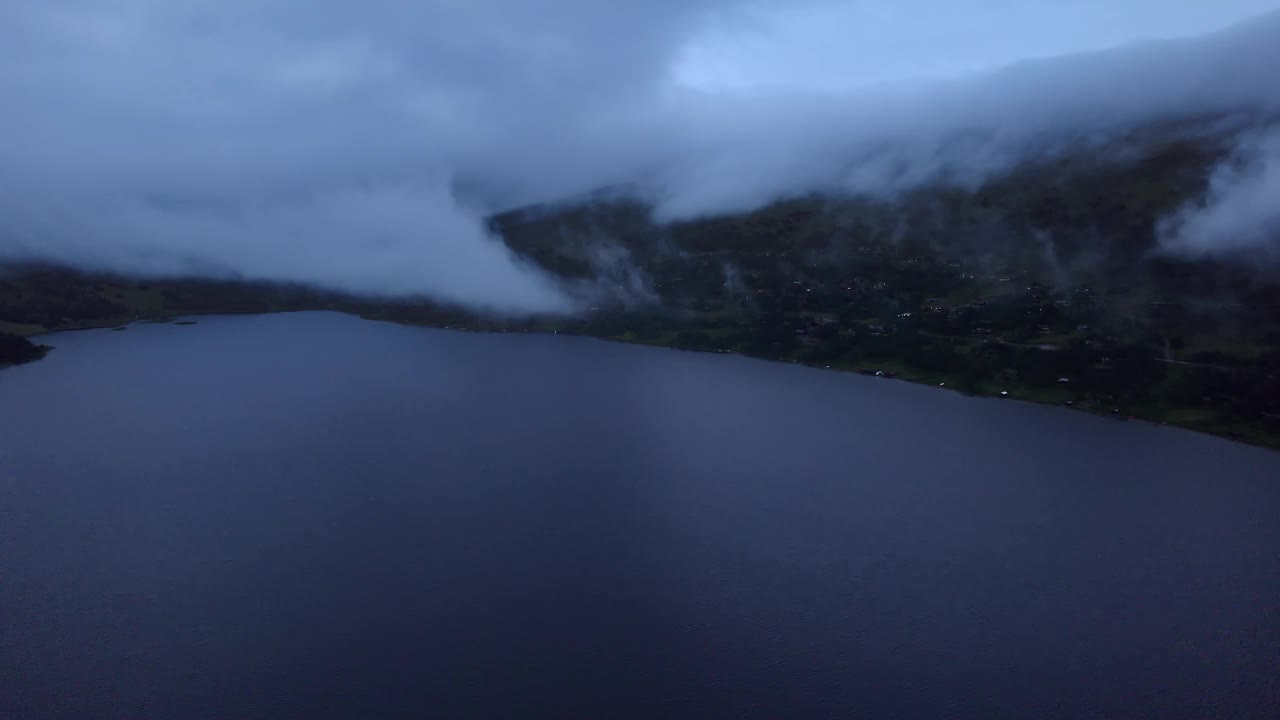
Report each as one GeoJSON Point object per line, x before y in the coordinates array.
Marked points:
{"type": "Point", "coordinates": [360, 148]}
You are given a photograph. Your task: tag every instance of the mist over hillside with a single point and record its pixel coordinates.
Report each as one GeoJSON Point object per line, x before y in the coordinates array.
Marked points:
{"type": "Point", "coordinates": [364, 151]}
{"type": "Point", "coordinates": [1188, 194]}
{"type": "Point", "coordinates": [1054, 281]}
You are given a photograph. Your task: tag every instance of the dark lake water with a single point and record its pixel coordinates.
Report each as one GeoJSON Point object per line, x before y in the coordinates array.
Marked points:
{"type": "Point", "coordinates": [312, 516]}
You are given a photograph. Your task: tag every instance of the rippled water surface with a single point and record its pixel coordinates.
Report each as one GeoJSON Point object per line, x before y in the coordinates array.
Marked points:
{"type": "Point", "coordinates": [314, 516]}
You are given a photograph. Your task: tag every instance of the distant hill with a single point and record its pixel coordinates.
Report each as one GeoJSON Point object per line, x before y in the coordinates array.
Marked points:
{"type": "Point", "coordinates": [1046, 282]}
{"type": "Point", "coordinates": [1048, 272]}
{"type": "Point", "coordinates": [1090, 214]}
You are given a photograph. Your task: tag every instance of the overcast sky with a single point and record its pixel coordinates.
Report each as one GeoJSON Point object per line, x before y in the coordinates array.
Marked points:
{"type": "Point", "coordinates": [835, 44]}
{"type": "Point", "coordinates": [359, 145]}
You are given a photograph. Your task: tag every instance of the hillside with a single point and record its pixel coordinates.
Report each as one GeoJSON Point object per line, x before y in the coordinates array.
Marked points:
{"type": "Point", "coordinates": [1046, 283]}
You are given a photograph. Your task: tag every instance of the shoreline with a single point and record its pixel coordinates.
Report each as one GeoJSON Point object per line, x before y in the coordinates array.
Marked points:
{"type": "Point", "coordinates": [893, 370]}
{"type": "Point", "coordinates": [943, 383]}
{"type": "Point", "coordinates": [43, 351]}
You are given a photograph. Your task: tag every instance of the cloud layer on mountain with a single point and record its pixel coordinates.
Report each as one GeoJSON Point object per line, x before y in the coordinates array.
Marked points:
{"type": "Point", "coordinates": [1241, 213]}
{"type": "Point", "coordinates": [359, 146]}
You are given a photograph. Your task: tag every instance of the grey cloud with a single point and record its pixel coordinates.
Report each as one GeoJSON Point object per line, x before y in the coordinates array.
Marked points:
{"type": "Point", "coordinates": [315, 141]}
{"type": "Point", "coordinates": [960, 131]}
{"type": "Point", "coordinates": [842, 44]}
{"type": "Point", "coordinates": [390, 239]}
{"type": "Point", "coordinates": [359, 145]}
{"type": "Point", "coordinates": [1241, 214]}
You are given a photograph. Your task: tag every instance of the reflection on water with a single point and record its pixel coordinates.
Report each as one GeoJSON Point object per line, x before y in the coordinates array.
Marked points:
{"type": "Point", "coordinates": [314, 516]}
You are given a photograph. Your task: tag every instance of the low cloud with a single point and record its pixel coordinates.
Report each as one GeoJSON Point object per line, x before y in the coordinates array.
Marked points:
{"type": "Point", "coordinates": [406, 238]}
{"type": "Point", "coordinates": [961, 131]}
{"type": "Point", "coordinates": [1240, 216]}
{"type": "Point", "coordinates": [354, 146]}
{"type": "Point", "coordinates": [361, 146]}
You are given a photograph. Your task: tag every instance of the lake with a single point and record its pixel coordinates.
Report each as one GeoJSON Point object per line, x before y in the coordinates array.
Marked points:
{"type": "Point", "coordinates": [314, 516]}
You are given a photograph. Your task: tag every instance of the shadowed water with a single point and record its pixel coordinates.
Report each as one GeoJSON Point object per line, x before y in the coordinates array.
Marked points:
{"type": "Point", "coordinates": [312, 516]}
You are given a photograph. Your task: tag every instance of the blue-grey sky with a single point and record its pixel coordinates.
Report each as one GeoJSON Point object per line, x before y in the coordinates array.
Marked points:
{"type": "Point", "coordinates": [838, 44]}
{"type": "Point", "coordinates": [359, 145]}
